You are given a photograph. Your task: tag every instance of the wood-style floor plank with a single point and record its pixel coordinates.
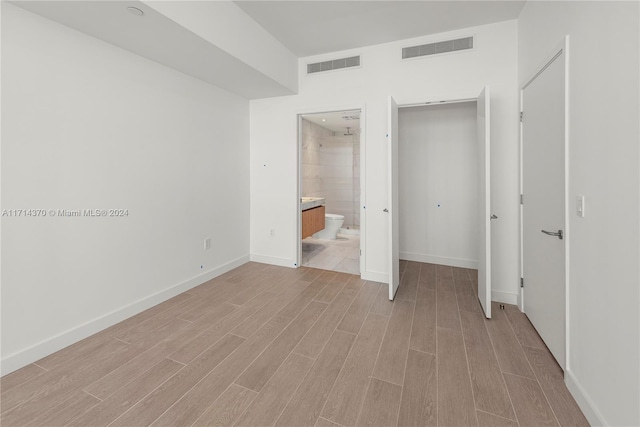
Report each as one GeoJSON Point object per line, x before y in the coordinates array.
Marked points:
{"type": "Point", "coordinates": [205, 335]}
{"type": "Point", "coordinates": [523, 328]}
{"type": "Point", "coordinates": [228, 407]}
{"type": "Point", "coordinates": [392, 358]}
{"type": "Point", "coordinates": [297, 304]}
{"type": "Point", "coordinates": [52, 382]}
{"type": "Point", "coordinates": [447, 314]}
{"type": "Point", "coordinates": [275, 395]}
{"type": "Point", "coordinates": [381, 404]}
{"type": "Point", "coordinates": [63, 388]}
{"type": "Point", "coordinates": [529, 402]}
{"type": "Point", "coordinates": [323, 422]}
{"type": "Point", "coordinates": [131, 393]}
{"type": "Point", "coordinates": [465, 294]}
{"type": "Point", "coordinates": [20, 377]}
{"type": "Point", "coordinates": [314, 341]}
{"type": "Point", "coordinates": [259, 372]}
{"type": "Point", "coordinates": [419, 402]}
{"type": "Point", "coordinates": [197, 400]}
{"type": "Point", "coordinates": [490, 420]}
{"type": "Point", "coordinates": [444, 278]}
{"type": "Point", "coordinates": [409, 284]}
{"type": "Point", "coordinates": [334, 282]}
{"type": "Point", "coordinates": [157, 402]}
{"type": "Point", "coordinates": [255, 321]}
{"type": "Point", "coordinates": [307, 402]}
{"type": "Point", "coordinates": [357, 312]}
{"type": "Point", "coordinates": [510, 355]}
{"type": "Point", "coordinates": [79, 402]}
{"type": "Point", "coordinates": [345, 400]}
{"type": "Point", "coordinates": [382, 304]}
{"type": "Point", "coordinates": [551, 379]}
{"type": "Point", "coordinates": [489, 390]}
{"type": "Point", "coordinates": [266, 344]}
{"type": "Point", "coordinates": [427, 277]}
{"type": "Point", "coordinates": [310, 274]}
{"type": "Point", "coordinates": [115, 379]}
{"type": "Point", "coordinates": [455, 396]}
{"type": "Point", "coordinates": [174, 304]}
{"type": "Point", "coordinates": [423, 330]}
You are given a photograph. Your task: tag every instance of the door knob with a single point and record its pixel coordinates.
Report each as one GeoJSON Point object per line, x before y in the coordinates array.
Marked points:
{"type": "Point", "coordinates": [385, 210]}
{"type": "Point", "coordinates": [493, 216]}
{"type": "Point", "coordinates": [557, 234]}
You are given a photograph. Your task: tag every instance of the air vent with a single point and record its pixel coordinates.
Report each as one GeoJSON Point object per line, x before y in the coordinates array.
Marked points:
{"type": "Point", "coordinates": [353, 61]}
{"type": "Point", "coordinates": [436, 48]}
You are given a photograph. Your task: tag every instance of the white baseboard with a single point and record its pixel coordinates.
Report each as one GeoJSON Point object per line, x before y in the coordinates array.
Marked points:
{"type": "Point", "coordinates": [583, 400]}
{"type": "Point", "coordinates": [373, 276]}
{"type": "Point", "coordinates": [504, 297]}
{"type": "Point", "coordinates": [281, 262]}
{"type": "Point", "coordinates": [432, 259]}
{"type": "Point", "coordinates": [44, 348]}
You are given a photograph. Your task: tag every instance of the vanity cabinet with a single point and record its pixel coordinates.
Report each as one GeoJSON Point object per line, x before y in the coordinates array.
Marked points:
{"type": "Point", "coordinates": [312, 221]}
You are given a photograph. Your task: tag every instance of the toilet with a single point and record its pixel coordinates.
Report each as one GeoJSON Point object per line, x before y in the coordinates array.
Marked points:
{"type": "Point", "coordinates": [332, 224]}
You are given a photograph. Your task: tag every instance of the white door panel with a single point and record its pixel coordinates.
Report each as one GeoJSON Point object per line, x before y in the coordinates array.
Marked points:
{"type": "Point", "coordinates": [392, 209]}
{"type": "Point", "coordinates": [484, 202]}
{"type": "Point", "coordinates": [543, 183]}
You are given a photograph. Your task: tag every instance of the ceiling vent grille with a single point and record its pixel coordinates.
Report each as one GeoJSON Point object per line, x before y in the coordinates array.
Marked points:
{"type": "Point", "coordinates": [437, 48]}
{"type": "Point", "coordinates": [352, 61]}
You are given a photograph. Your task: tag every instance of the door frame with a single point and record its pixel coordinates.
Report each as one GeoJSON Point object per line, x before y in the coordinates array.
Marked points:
{"type": "Point", "coordinates": [430, 100]}
{"type": "Point", "coordinates": [562, 48]}
{"type": "Point", "coordinates": [363, 149]}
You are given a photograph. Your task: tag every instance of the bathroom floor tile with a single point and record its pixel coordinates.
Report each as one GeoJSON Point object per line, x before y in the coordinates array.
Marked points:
{"type": "Point", "coordinates": [348, 265]}
{"type": "Point", "coordinates": [342, 254]}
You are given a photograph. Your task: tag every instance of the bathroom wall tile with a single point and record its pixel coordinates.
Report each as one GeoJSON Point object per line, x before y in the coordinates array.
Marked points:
{"type": "Point", "coordinates": [331, 169]}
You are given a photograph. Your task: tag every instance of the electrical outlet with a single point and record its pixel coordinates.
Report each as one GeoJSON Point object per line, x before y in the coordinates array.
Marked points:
{"type": "Point", "coordinates": [207, 243]}
{"type": "Point", "coordinates": [272, 232]}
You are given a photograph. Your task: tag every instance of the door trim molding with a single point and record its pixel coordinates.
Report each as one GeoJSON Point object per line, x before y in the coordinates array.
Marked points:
{"type": "Point", "coordinates": [561, 49]}
{"type": "Point", "coordinates": [363, 178]}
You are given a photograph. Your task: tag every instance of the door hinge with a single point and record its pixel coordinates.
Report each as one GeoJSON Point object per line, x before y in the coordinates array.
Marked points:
{"type": "Point", "coordinates": [521, 116]}
{"type": "Point", "coordinates": [522, 282]}
{"type": "Point", "coordinates": [522, 199]}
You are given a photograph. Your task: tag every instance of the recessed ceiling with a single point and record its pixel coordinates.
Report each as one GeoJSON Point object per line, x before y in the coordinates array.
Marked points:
{"type": "Point", "coordinates": [315, 27]}
{"type": "Point", "coordinates": [337, 121]}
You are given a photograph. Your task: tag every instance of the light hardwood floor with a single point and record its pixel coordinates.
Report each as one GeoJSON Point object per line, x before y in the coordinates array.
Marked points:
{"type": "Point", "coordinates": [264, 345]}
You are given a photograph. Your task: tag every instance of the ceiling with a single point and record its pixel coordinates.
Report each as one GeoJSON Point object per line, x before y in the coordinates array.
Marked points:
{"type": "Point", "coordinates": [316, 27]}
{"type": "Point", "coordinates": [159, 38]}
{"type": "Point", "coordinates": [337, 121]}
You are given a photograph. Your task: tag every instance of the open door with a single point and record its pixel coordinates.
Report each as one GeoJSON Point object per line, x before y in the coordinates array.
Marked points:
{"type": "Point", "coordinates": [544, 148]}
{"type": "Point", "coordinates": [392, 209]}
{"type": "Point", "coordinates": [484, 202]}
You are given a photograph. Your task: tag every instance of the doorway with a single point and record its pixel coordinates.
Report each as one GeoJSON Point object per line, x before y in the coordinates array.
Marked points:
{"type": "Point", "coordinates": [446, 194]}
{"type": "Point", "coordinates": [544, 203]}
{"type": "Point", "coordinates": [330, 190]}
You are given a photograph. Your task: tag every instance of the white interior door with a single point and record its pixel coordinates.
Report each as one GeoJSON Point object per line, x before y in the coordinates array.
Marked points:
{"type": "Point", "coordinates": [543, 209]}
{"type": "Point", "coordinates": [484, 201]}
{"type": "Point", "coordinates": [392, 210]}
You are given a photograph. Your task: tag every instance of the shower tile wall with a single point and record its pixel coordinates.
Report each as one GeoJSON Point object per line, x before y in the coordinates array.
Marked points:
{"type": "Point", "coordinates": [329, 171]}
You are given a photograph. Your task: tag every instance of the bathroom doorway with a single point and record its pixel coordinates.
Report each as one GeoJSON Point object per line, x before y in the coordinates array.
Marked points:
{"type": "Point", "coordinates": [330, 191]}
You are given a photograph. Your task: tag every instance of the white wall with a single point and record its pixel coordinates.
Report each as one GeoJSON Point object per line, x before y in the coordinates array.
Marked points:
{"type": "Point", "coordinates": [274, 140]}
{"type": "Point", "coordinates": [603, 369]}
{"type": "Point", "coordinates": [86, 125]}
{"type": "Point", "coordinates": [328, 170]}
{"type": "Point", "coordinates": [438, 182]}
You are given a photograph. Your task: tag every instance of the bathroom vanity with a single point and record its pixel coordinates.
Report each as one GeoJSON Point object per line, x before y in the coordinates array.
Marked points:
{"type": "Point", "coordinates": [312, 215]}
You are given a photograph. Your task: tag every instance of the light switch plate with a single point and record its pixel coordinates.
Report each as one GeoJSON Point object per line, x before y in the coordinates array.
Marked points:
{"type": "Point", "coordinates": [580, 206]}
